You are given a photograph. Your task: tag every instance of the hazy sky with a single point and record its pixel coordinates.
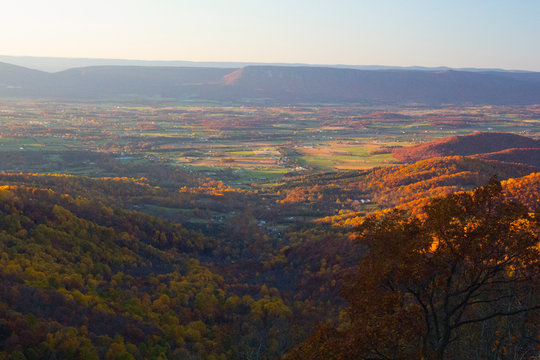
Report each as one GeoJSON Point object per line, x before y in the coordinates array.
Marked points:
{"type": "Point", "coordinates": [456, 33]}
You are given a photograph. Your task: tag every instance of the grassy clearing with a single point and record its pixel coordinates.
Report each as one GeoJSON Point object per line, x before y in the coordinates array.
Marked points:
{"type": "Point", "coordinates": [345, 156]}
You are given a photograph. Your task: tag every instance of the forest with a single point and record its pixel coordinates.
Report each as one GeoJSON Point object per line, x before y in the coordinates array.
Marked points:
{"type": "Point", "coordinates": [159, 231]}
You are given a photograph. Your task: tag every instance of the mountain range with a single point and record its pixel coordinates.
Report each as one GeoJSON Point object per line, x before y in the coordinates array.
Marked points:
{"type": "Point", "coordinates": [55, 64]}
{"type": "Point", "coordinates": [272, 84]}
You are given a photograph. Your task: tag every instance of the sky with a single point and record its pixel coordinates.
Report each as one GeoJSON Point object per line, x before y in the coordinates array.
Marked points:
{"type": "Point", "coordinates": [474, 33]}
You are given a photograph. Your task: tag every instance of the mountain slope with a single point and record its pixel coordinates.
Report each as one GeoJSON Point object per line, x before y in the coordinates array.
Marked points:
{"type": "Point", "coordinates": [330, 84]}
{"type": "Point", "coordinates": [274, 84]}
{"type": "Point", "coordinates": [530, 156]}
{"type": "Point", "coordinates": [79, 279]}
{"type": "Point", "coordinates": [135, 81]}
{"type": "Point", "coordinates": [476, 143]}
{"type": "Point", "coordinates": [18, 81]}
{"type": "Point", "coordinates": [409, 186]}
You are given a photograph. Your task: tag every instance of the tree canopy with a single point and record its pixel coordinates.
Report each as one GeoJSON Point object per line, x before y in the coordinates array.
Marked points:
{"type": "Point", "coordinates": [462, 282]}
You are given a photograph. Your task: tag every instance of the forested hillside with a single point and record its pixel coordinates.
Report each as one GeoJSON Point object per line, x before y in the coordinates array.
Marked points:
{"type": "Point", "coordinates": [473, 144]}
{"type": "Point", "coordinates": [150, 260]}
{"type": "Point", "coordinates": [464, 280]}
{"type": "Point", "coordinates": [83, 278]}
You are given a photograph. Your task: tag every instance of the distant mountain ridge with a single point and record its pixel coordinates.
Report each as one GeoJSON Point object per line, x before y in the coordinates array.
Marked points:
{"type": "Point", "coordinates": [317, 84]}
{"type": "Point", "coordinates": [56, 64]}
{"type": "Point", "coordinates": [273, 84]}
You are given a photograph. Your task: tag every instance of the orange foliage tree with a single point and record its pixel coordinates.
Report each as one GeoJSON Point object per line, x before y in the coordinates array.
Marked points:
{"type": "Point", "coordinates": [461, 283]}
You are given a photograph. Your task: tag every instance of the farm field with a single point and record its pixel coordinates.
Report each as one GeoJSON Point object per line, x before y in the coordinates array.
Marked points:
{"type": "Point", "coordinates": [237, 144]}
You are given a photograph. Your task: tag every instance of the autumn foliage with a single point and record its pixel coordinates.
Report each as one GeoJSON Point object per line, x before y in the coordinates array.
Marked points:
{"type": "Point", "coordinates": [461, 284]}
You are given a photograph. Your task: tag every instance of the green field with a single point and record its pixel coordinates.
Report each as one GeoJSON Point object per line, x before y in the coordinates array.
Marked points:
{"type": "Point", "coordinates": [238, 145]}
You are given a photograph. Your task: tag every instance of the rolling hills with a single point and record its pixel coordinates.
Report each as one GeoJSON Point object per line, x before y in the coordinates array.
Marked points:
{"type": "Point", "coordinates": [517, 148]}
{"type": "Point", "coordinates": [529, 156]}
{"type": "Point", "coordinates": [81, 276]}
